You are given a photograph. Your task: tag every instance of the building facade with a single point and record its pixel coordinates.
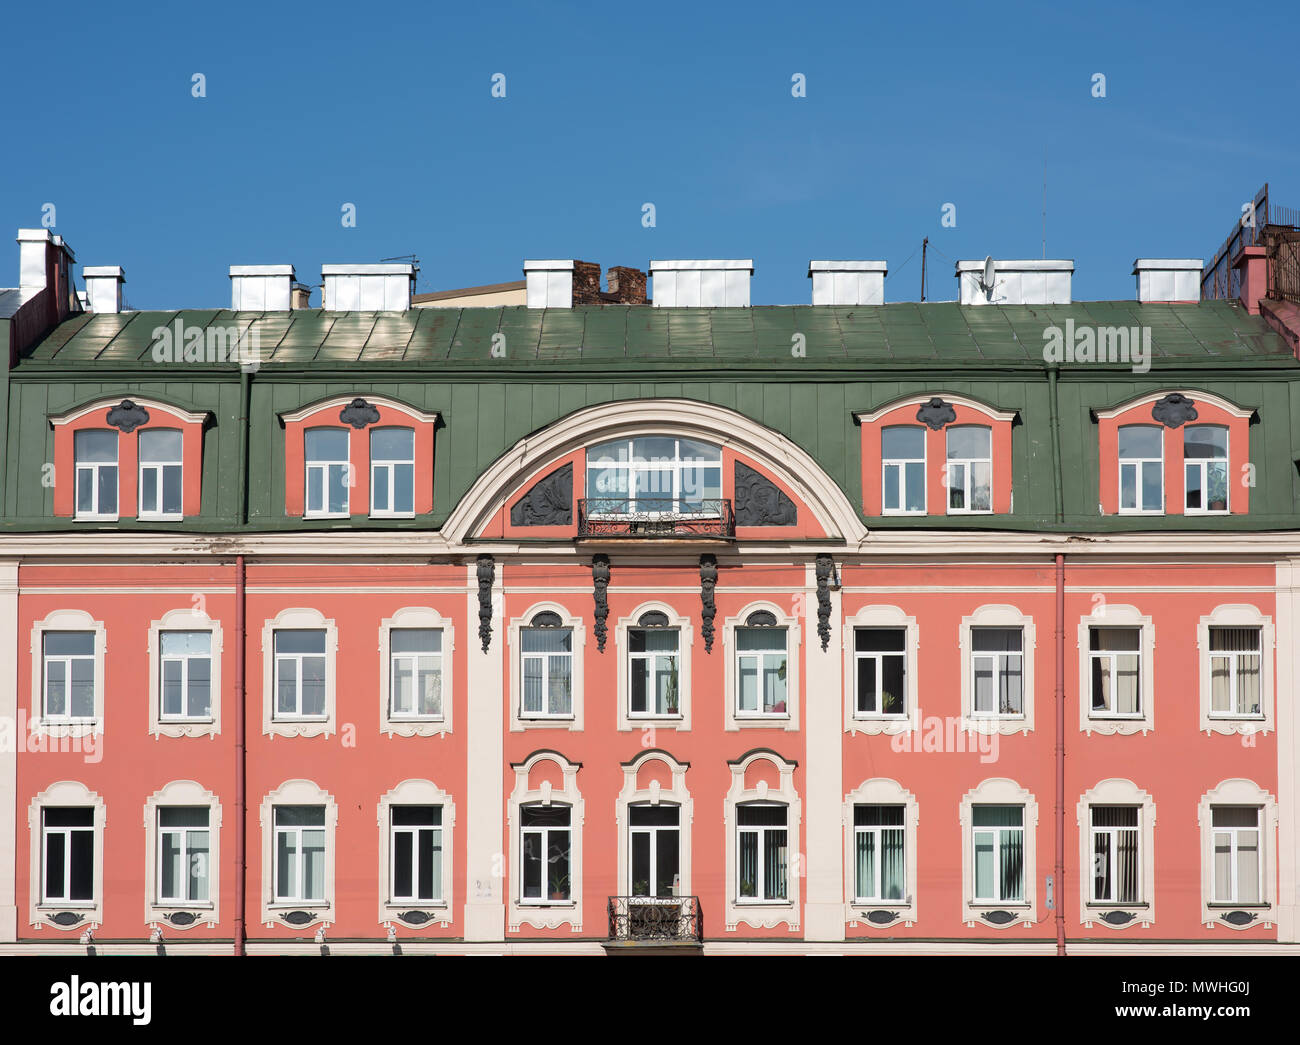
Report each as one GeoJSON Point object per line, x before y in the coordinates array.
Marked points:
{"type": "Point", "coordinates": [692, 626]}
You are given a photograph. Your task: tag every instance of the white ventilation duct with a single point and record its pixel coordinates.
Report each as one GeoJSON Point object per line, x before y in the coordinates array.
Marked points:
{"type": "Point", "coordinates": [548, 284]}
{"type": "Point", "coordinates": [1168, 279]}
{"type": "Point", "coordinates": [701, 284]}
{"type": "Point", "coordinates": [104, 287]}
{"type": "Point", "coordinates": [260, 288]}
{"type": "Point", "coordinates": [848, 282]}
{"type": "Point", "coordinates": [367, 288]}
{"type": "Point", "coordinates": [998, 282]}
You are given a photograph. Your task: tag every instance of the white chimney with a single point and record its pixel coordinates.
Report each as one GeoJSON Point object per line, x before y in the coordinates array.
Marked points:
{"type": "Point", "coordinates": [260, 288]}
{"type": "Point", "coordinates": [1168, 279]}
{"type": "Point", "coordinates": [548, 284]}
{"type": "Point", "coordinates": [31, 257]}
{"type": "Point", "coordinates": [848, 282]}
{"type": "Point", "coordinates": [701, 284]}
{"type": "Point", "coordinates": [1034, 282]}
{"type": "Point", "coordinates": [104, 287]}
{"type": "Point", "coordinates": [367, 288]}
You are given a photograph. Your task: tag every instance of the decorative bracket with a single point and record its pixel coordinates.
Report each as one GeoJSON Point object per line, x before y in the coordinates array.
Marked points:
{"type": "Point", "coordinates": [486, 575]}
{"type": "Point", "coordinates": [600, 592]}
{"type": "Point", "coordinates": [708, 608]}
{"type": "Point", "coordinates": [825, 568]}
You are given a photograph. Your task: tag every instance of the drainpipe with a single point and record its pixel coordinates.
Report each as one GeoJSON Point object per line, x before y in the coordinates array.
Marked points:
{"type": "Point", "coordinates": [1060, 754]}
{"type": "Point", "coordinates": [245, 383]}
{"type": "Point", "coordinates": [1054, 411]}
{"type": "Point", "coordinates": [241, 764]}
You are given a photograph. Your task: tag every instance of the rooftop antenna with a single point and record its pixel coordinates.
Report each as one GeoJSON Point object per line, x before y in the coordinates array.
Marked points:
{"type": "Point", "coordinates": [924, 244]}
{"type": "Point", "coordinates": [415, 262]}
{"type": "Point", "coordinates": [1044, 201]}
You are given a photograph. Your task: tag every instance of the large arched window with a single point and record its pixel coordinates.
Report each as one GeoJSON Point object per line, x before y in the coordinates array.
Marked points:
{"type": "Point", "coordinates": [654, 474]}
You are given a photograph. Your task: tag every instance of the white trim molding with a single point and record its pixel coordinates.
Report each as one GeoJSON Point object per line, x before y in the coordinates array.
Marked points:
{"type": "Point", "coordinates": [414, 617]}
{"type": "Point", "coordinates": [654, 795]}
{"type": "Point", "coordinates": [578, 632]}
{"type": "Point", "coordinates": [1237, 616]}
{"type": "Point", "coordinates": [786, 623]}
{"type": "Point", "coordinates": [1118, 792]}
{"type": "Point", "coordinates": [948, 397]}
{"type": "Point", "coordinates": [685, 642]}
{"type": "Point", "coordinates": [1115, 615]}
{"type": "Point", "coordinates": [192, 619]}
{"type": "Point", "coordinates": [1239, 792]}
{"type": "Point", "coordinates": [87, 914]}
{"type": "Point", "coordinates": [182, 915]}
{"type": "Point", "coordinates": [102, 402]}
{"type": "Point", "coordinates": [876, 725]}
{"type": "Point", "coordinates": [325, 911]}
{"type": "Point", "coordinates": [10, 646]}
{"type": "Point", "coordinates": [998, 616]}
{"type": "Point", "coordinates": [311, 409]}
{"type": "Point", "coordinates": [289, 619]}
{"type": "Point", "coordinates": [552, 914]}
{"type": "Point", "coordinates": [763, 914]}
{"type": "Point", "coordinates": [415, 792]}
{"type": "Point", "coordinates": [991, 913]}
{"type": "Point", "coordinates": [881, 914]}
{"type": "Point", "coordinates": [67, 620]}
{"type": "Point", "coordinates": [1154, 397]}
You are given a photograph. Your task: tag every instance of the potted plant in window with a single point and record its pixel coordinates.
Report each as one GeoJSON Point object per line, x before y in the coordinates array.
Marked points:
{"type": "Point", "coordinates": [1217, 501]}
{"type": "Point", "coordinates": [560, 887]}
{"type": "Point", "coordinates": [746, 887]}
{"type": "Point", "coordinates": [670, 693]}
{"type": "Point", "coordinates": [890, 704]}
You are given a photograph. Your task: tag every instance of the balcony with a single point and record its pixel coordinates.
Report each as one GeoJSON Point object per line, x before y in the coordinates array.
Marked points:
{"type": "Point", "coordinates": [666, 924]}
{"type": "Point", "coordinates": [656, 519]}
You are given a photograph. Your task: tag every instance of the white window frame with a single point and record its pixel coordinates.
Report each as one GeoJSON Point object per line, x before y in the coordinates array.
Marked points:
{"type": "Point", "coordinates": [1111, 840]}
{"type": "Point", "coordinates": [644, 784]}
{"type": "Point", "coordinates": [159, 466]}
{"type": "Point", "coordinates": [1236, 616]}
{"type": "Point", "coordinates": [419, 617]}
{"type": "Point", "coordinates": [1240, 792]}
{"type": "Point", "coordinates": [736, 720]}
{"type": "Point", "coordinates": [1114, 615]}
{"type": "Point", "coordinates": [676, 465]}
{"type": "Point", "coordinates": [64, 726]}
{"type": "Point", "coordinates": [514, 640]}
{"type": "Point", "coordinates": [1117, 792]}
{"type": "Point", "coordinates": [94, 468]}
{"type": "Point", "coordinates": [64, 793]}
{"type": "Point", "coordinates": [999, 791]}
{"type": "Point", "coordinates": [415, 792]}
{"type": "Point", "coordinates": [685, 640]}
{"type": "Point", "coordinates": [534, 786]}
{"type": "Point", "coordinates": [390, 466]}
{"type": "Point", "coordinates": [324, 466]}
{"type": "Point", "coordinates": [998, 616]}
{"type": "Point", "coordinates": [966, 463]}
{"type": "Point", "coordinates": [297, 793]}
{"type": "Point", "coordinates": [1138, 463]}
{"type": "Point", "coordinates": [190, 619]}
{"type": "Point", "coordinates": [157, 909]}
{"type": "Point", "coordinates": [1202, 465]}
{"type": "Point", "coordinates": [881, 791]}
{"type": "Point", "coordinates": [879, 616]}
{"type": "Point", "coordinates": [298, 618]}
{"type": "Point", "coordinates": [761, 913]}
{"type": "Point", "coordinates": [901, 463]}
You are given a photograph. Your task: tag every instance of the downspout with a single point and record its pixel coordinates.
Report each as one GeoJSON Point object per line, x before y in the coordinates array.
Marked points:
{"type": "Point", "coordinates": [1054, 413]}
{"type": "Point", "coordinates": [1060, 756]}
{"type": "Point", "coordinates": [241, 764]}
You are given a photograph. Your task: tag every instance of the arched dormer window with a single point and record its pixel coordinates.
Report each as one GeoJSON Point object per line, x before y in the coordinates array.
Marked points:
{"type": "Point", "coordinates": [654, 475]}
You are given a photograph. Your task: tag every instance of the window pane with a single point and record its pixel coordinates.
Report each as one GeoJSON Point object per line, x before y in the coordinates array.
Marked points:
{"type": "Point", "coordinates": [969, 441]}
{"type": "Point", "coordinates": [171, 688]}
{"type": "Point", "coordinates": [299, 641]}
{"type": "Point", "coordinates": [55, 866]}
{"type": "Point", "coordinates": [379, 489]}
{"type": "Point", "coordinates": [286, 687]}
{"type": "Point", "coordinates": [1140, 441]}
{"type": "Point", "coordinates": [1202, 441]}
{"type": "Point", "coordinates": [404, 488]}
{"type": "Point", "coordinates": [171, 865]}
{"type": "Point", "coordinates": [757, 815]}
{"type": "Point", "coordinates": [403, 847]}
{"type": "Point", "coordinates": [915, 493]}
{"type": "Point", "coordinates": [313, 865]}
{"type": "Point", "coordinates": [95, 445]}
{"type": "Point", "coordinates": [545, 816]}
{"type": "Point", "coordinates": [879, 639]}
{"type": "Point", "coordinates": [761, 639]}
{"type": "Point", "coordinates": [902, 442]}
{"type": "Point", "coordinates": [654, 816]}
{"type": "Point", "coordinates": [70, 643]}
{"type": "Point", "coordinates": [183, 816]}
{"type": "Point", "coordinates": [69, 816]}
{"type": "Point", "coordinates": [1152, 484]}
{"type": "Point", "coordinates": [1118, 639]}
{"type": "Point", "coordinates": [392, 444]}
{"type": "Point", "coordinates": [82, 861]}
{"type": "Point", "coordinates": [180, 643]}
{"type": "Point", "coordinates": [149, 490]}
{"type": "Point", "coordinates": [997, 816]}
{"type": "Point", "coordinates": [1235, 816]}
{"type": "Point", "coordinates": [996, 639]}
{"type": "Point", "coordinates": [546, 640]}
{"type": "Point", "coordinates": [197, 872]}
{"type": "Point", "coordinates": [299, 816]}
{"type": "Point", "coordinates": [161, 445]}
{"type": "Point", "coordinates": [338, 489]}
{"type": "Point", "coordinates": [411, 640]}
{"type": "Point", "coordinates": [326, 444]}
{"type": "Point", "coordinates": [313, 685]}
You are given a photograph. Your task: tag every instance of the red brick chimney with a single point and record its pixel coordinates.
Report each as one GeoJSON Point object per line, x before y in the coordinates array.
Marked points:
{"type": "Point", "coordinates": [586, 283]}
{"type": "Point", "coordinates": [626, 285]}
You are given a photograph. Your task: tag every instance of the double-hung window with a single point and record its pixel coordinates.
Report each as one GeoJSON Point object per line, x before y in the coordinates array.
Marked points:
{"type": "Point", "coordinates": [299, 854]}
{"type": "Point", "coordinates": [970, 469]}
{"type": "Point", "coordinates": [1205, 466]}
{"type": "Point", "coordinates": [299, 673]}
{"type": "Point", "coordinates": [328, 471]}
{"type": "Point", "coordinates": [761, 664]}
{"type": "Point", "coordinates": [997, 658]}
{"type": "Point", "coordinates": [1116, 855]}
{"type": "Point", "coordinates": [1115, 657]}
{"type": "Point", "coordinates": [69, 669]}
{"type": "Point", "coordinates": [68, 854]}
{"type": "Point", "coordinates": [1237, 857]}
{"type": "Point", "coordinates": [547, 667]}
{"type": "Point", "coordinates": [160, 473]}
{"type": "Point", "coordinates": [415, 854]}
{"type": "Point", "coordinates": [185, 661]}
{"type": "Point", "coordinates": [655, 836]}
{"type": "Point", "coordinates": [415, 675]}
{"type": "Point", "coordinates": [546, 837]}
{"type": "Point", "coordinates": [1141, 469]}
{"type": "Point", "coordinates": [95, 454]}
{"type": "Point", "coordinates": [998, 837]}
{"type": "Point", "coordinates": [392, 472]}
{"type": "Point", "coordinates": [902, 467]}
{"type": "Point", "coordinates": [183, 847]}
{"type": "Point", "coordinates": [879, 854]}
{"type": "Point", "coordinates": [1235, 661]}
{"type": "Point", "coordinates": [653, 671]}
{"type": "Point", "coordinates": [762, 848]}
{"type": "Point", "coordinates": [880, 659]}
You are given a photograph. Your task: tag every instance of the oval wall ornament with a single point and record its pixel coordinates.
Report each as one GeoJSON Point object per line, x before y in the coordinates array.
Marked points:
{"type": "Point", "coordinates": [415, 917]}
{"type": "Point", "coordinates": [882, 917]}
{"type": "Point", "coordinates": [66, 918]}
{"type": "Point", "coordinates": [182, 918]}
{"type": "Point", "coordinates": [359, 413]}
{"type": "Point", "coordinates": [999, 917]}
{"type": "Point", "coordinates": [298, 917]}
{"type": "Point", "coordinates": [1117, 917]}
{"type": "Point", "coordinates": [1174, 410]}
{"type": "Point", "coordinates": [936, 413]}
{"type": "Point", "coordinates": [127, 416]}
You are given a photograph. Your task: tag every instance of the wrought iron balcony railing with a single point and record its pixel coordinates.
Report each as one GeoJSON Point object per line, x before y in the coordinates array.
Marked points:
{"type": "Point", "coordinates": [657, 517]}
{"type": "Point", "coordinates": [655, 919]}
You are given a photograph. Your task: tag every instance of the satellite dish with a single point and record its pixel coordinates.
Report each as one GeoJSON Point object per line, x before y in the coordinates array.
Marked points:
{"type": "Point", "coordinates": [987, 281]}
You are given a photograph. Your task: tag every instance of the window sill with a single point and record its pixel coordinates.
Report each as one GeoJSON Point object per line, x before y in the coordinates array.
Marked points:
{"type": "Point", "coordinates": [328, 515]}
{"type": "Point", "coordinates": [68, 905]}
{"type": "Point", "coordinates": [404, 720]}
{"type": "Point", "coordinates": [398, 906]}
{"type": "Point", "coordinates": [309, 719]}
{"type": "Point", "coordinates": [185, 721]}
{"type": "Point", "coordinates": [546, 905]}
{"type": "Point", "coordinates": [303, 905]}
{"type": "Point", "coordinates": [392, 515]}
{"type": "Point", "coordinates": [1096, 905]}
{"type": "Point", "coordinates": [753, 719]}
{"type": "Point", "coordinates": [750, 902]}
{"type": "Point", "coordinates": [181, 905]}
{"type": "Point", "coordinates": [161, 518]}
{"type": "Point", "coordinates": [546, 720]}
{"type": "Point", "coordinates": [1221, 905]}
{"type": "Point", "coordinates": [984, 906]}
{"type": "Point", "coordinates": [95, 518]}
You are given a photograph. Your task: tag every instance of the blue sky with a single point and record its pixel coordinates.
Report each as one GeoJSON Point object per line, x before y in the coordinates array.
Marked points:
{"type": "Point", "coordinates": [684, 105]}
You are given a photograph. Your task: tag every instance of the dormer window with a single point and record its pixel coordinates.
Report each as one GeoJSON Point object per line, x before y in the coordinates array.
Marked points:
{"type": "Point", "coordinates": [95, 452]}
{"type": "Point", "coordinates": [328, 471]}
{"type": "Point", "coordinates": [970, 469]}
{"type": "Point", "coordinates": [392, 472]}
{"type": "Point", "coordinates": [1205, 467]}
{"type": "Point", "coordinates": [903, 469]}
{"type": "Point", "coordinates": [654, 476]}
{"type": "Point", "coordinates": [160, 473]}
{"type": "Point", "coordinates": [1141, 469]}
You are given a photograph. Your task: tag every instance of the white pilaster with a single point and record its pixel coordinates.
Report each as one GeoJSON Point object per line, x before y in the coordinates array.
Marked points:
{"type": "Point", "coordinates": [823, 770]}
{"type": "Point", "coordinates": [485, 882]}
{"type": "Point", "coordinates": [1288, 751]}
{"type": "Point", "coordinates": [8, 750]}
